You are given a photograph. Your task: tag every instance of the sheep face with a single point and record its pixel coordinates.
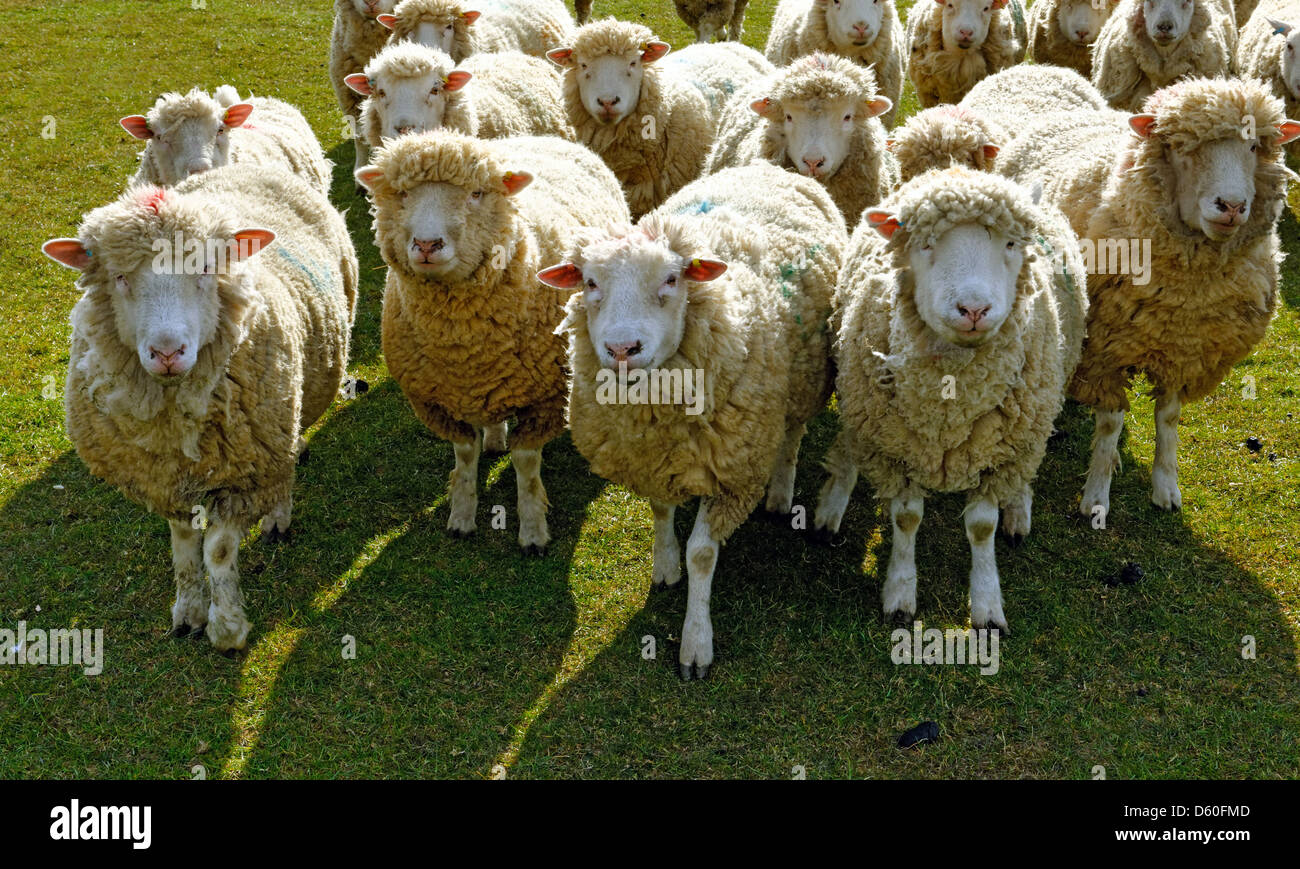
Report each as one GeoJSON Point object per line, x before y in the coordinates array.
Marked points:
{"type": "Point", "coordinates": [435, 31]}
{"type": "Point", "coordinates": [818, 133]}
{"type": "Point", "coordinates": [610, 84]}
{"type": "Point", "coordinates": [853, 24]}
{"type": "Point", "coordinates": [1215, 185]}
{"type": "Point", "coordinates": [1080, 21]}
{"type": "Point", "coordinates": [409, 104]}
{"type": "Point", "coordinates": [195, 143]}
{"type": "Point", "coordinates": [1290, 66]}
{"type": "Point", "coordinates": [1167, 21]}
{"type": "Point", "coordinates": [966, 22]}
{"type": "Point", "coordinates": [373, 8]}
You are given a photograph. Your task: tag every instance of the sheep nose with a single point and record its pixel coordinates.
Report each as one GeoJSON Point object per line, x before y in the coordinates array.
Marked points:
{"type": "Point", "coordinates": [814, 165]}
{"type": "Point", "coordinates": [1231, 209]}
{"type": "Point", "coordinates": [608, 104]}
{"type": "Point", "coordinates": [861, 28]}
{"type": "Point", "coordinates": [973, 314]}
{"type": "Point", "coordinates": [623, 352]}
{"type": "Point", "coordinates": [1165, 26]}
{"type": "Point", "coordinates": [427, 246]}
{"type": "Point", "coordinates": [965, 33]}
{"type": "Point", "coordinates": [168, 359]}
{"type": "Point", "coordinates": [402, 131]}
{"type": "Point", "coordinates": [1082, 34]}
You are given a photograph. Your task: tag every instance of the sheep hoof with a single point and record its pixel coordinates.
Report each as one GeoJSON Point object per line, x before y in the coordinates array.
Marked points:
{"type": "Point", "coordinates": [232, 654]}
{"type": "Point", "coordinates": [693, 671]}
{"type": "Point", "coordinates": [900, 618]}
{"type": "Point", "coordinates": [823, 534]}
{"type": "Point", "coordinates": [458, 534]}
{"type": "Point", "coordinates": [1015, 539]}
{"type": "Point", "coordinates": [275, 536]}
{"type": "Point", "coordinates": [199, 633]}
{"type": "Point", "coordinates": [180, 632]}
{"type": "Point", "coordinates": [304, 457]}
{"type": "Point", "coordinates": [533, 550]}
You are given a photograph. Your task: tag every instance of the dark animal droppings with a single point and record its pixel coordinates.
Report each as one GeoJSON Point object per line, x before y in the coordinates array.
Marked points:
{"type": "Point", "coordinates": [1128, 575]}
{"type": "Point", "coordinates": [926, 731]}
{"type": "Point", "coordinates": [1253, 444]}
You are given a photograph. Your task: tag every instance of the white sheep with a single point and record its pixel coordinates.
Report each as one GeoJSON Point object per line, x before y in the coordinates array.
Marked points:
{"type": "Point", "coordinates": [1268, 50]}
{"type": "Point", "coordinates": [711, 18]}
{"type": "Point", "coordinates": [465, 27]}
{"type": "Point", "coordinates": [1147, 44]}
{"type": "Point", "coordinates": [464, 224]}
{"type": "Point", "coordinates": [1179, 208]}
{"type": "Point", "coordinates": [819, 117]}
{"type": "Point", "coordinates": [196, 132]}
{"type": "Point", "coordinates": [943, 136]}
{"type": "Point", "coordinates": [652, 128]}
{"type": "Point", "coordinates": [413, 88]}
{"type": "Point", "coordinates": [957, 328]}
{"type": "Point", "coordinates": [716, 70]}
{"type": "Point", "coordinates": [198, 361]}
{"type": "Point", "coordinates": [1024, 91]}
{"type": "Point", "coordinates": [1062, 32]}
{"type": "Point", "coordinates": [357, 36]}
{"type": "Point", "coordinates": [952, 44]}
{"type": "Point", "coordinates": [868, 32]}
{"type": "Point", "coordinates": [724, 289]}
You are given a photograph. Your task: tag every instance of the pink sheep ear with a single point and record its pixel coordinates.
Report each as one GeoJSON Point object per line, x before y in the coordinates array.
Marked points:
{"type": "Point", "coordinates": [247, 242]}
{"type": "Point", "coordinates": [1143, 125]}
{"type": "Point", "coordinates": [456, 79]}
{"type": "Point", "coordinates": [68, 252]}
{"type": "Point", "coordinates": [137, 125]}
{"type": "Point", "coordinates": [560, 56]}
{"type": "Point", "coordinates": [883, 222]}
{"type": "Point", "coordinates": [368, 176]}
{"type": "Point", "coordinates": [990, 152]}
{"type": "Point", "coordinates": [1288, 131]}
{"type": "Point", "coordinates": [565, 276]}
{"type": "Point", "coordinates": [765, 108]}
{"type": "Point", "coordinates": [389, 21]}
{"type": "Point", "coordinates": [889, 144]}
{"type": "Point", "coordinates": [703, 270]}
{"type": "Point", "coordinates": [653, 51]}
{"type": "Point", "coordinates": [237, 114]}
{"type": "Point", "coordinates": [516, 181]}
{"type": "Point", "coordinates": [470, 17]}
{"type": "Point", "coordinates": [358, 82]}
{"type": "Point", "coordinates": [878, 106]}
{"type": "Point", "coordinates": [999, 4]}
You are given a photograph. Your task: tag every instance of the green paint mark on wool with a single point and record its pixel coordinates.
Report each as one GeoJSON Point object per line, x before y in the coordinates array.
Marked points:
{"type": "Point", "coordinates": [317, 283]}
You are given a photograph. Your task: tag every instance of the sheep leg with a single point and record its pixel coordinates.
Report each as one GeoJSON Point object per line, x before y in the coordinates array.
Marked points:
{"type": "Point", "coordinates": [667, 570]}
{"type": "Point", "coordinates": [1105, 459]}
{"type": "Point", "coordinates": [737, 27]}
{"type": "Point", "coordinates": [494, 438]}
{"type": "Point", "coordinates": [464, 489]}
{"type": "Point", "coordinates": [190, 611]}
{"type": "Point", "coordinates": [275, 525]}
{"type": "Point", "coordinates": [227, 626]}
{"type": "Point", "coordinates": [1164, 475]}
{"type": "Point", "coordinates": [780, 487]}
{"type": "Point", "coordinates": [1016, 512]}
{"type": "Point", "coordinates": [532, 503]}
{"type": "Point", "coordinates": [836, 491]}
{"type": "Point", "coordinates": [985, 590]}
{"type": "Point", "coordinates": [696, 656]}
{"type": "Point", "coordinates": [898, 597]}
{"type": "Point", "coordinates": [583, 10]}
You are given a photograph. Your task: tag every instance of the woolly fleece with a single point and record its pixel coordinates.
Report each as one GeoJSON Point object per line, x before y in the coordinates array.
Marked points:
{"type": "Point", "coordinates": [941, 76]}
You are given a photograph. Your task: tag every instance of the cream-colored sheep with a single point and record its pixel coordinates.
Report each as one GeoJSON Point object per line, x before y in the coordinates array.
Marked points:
{"type": "Point", "coordinates": [357, 37]}
{"type": "Point", "coordinates": [716, 70]}
{"type": "Point", "coordinates": [944, 136]}
{"type": "Point", "coordinates": [195, 369]}
{"type": "Point", "coordinates": [953, 45]}
{"type": "Point", "coordinates": [464, 27]}
{"type": "Point", "coordinates": [711, 18]}
{"type": "Point", "coordinates": [1268, 50]}
{"type": "Point", "coordinates": [1062, 32]}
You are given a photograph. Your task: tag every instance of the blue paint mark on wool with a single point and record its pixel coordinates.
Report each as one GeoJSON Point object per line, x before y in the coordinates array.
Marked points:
{"type": "Point", "coordinates": [318, 283]}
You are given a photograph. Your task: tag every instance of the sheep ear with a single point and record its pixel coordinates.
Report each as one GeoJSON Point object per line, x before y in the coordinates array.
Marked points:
{"type": "Point", "coordinates": [67, 252]}
{"type": "Point", "coordinates": [367, 176]}
{"type": "Point", "coordinates": [247, 242]}
{"type": "Point", "coordinates": [990, 152]}
{"type": "Point", "coordinates": [1287, 132]}
{"type": "Point", "coordinates": [878, 105]}
{"type": "Point", "coordinates": [137, 125]}
{"type": "Point", "coordinates": [565, 276]}
{"type": "Point", "coordinates": [457, 79]}
{"type": "Point", "coordinates": [766, 108]}
{"type": "Point", "coordinates": [883, 222]}
{"type": "Point", "coordinates": [386, 19]}
{"type": "Point", "coordinates": [470, 17]}
{"type": "Point", "coordinates": [702, 270]}
{"type": "Point", "coordinates": [237, 114]}
{"type": "Point", "coordinates": [999, 4]}
{"type": "Point", "coordinates": [889, 144]}
{"type": "Point", "coordinates": [1143, 125]}
{"type": "Point", "coordinates": [653, 51]}
{"type": "Point", "coordinates": [516, 181]}
{"type": "Point", "coordinates": [359, 83]}
{"type": "Point", "coordinates": [1280, 28]}
{"type": "Point", "coordinates": [560, 56]}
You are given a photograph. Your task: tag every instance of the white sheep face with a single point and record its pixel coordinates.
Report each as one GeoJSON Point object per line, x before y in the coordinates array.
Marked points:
{"type": "Point", "coordinates": [1167, 21]}
{"type": "Point", "coordinates": [373, 8]}
{"type": "Point", "coordinates": [1080, 21]}
{"type": "Point", "coordinates": [818, 134]}
{"type": "Point", "coordinates": [435, 34]}
{"type": "Point", "coordinates": [412, 104]}
{"type": "Point", "coordinates": [635, 296]}
{"type": "Point", "coordinates": [443, 222]}
{"type": "Point", "coordinates": [192, 145]}
{"type": "Point", "coordinates": [1215, 185]}
{"type": "Point", "coordinates": [965, 282]}
{"type": "Point", "coordinates": [168, 318]}
{"type": "Point", "coordinates": [610, 84]}
{"type": "Point", "coordinates": [966, 22]}
{"type": "Point", "coordinates": [1290, 52]}
{"type": "Point", "coordinates": [853, 24]}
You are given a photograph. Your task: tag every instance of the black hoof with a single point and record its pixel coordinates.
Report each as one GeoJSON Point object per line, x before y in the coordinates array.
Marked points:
{"type": "Point", "coordinates": [232, 654]}
{"type": "Point", "coordinates": [532, 550]}
{"type": "Point", "coordinates": [692, 671]}
{"type": "Point", "coordinates": [1015, 539]}
{"type": "Point", "coordinates": [304, 457]}
{"type": "Point", "coordinates": [823, 535]}
{"type": "Point", "coordinates": [275, 536]}
{"type": "Point", "coordinates": [199, 633]}
{"type": "Point", "coordinates": [180, 632]}
{"type": "Point", "coordinates": [901, 619]}
{"type": "Point", "coordinates": [457, 534]}
{"type": "Point", "coordinates": [661, 587]}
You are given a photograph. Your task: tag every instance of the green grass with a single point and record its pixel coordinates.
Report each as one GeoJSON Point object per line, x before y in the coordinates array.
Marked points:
{"type": "Point", "coordinates": [469, 655]}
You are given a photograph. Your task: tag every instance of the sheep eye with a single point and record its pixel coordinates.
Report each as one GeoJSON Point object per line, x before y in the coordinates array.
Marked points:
{"type": "Point", "coordinates": [1011, 245]}
{"type": "Point", "coordinates": [1253, 147]}
{"type": "Point", "coordinates": [402, 194]}
{"type": "Point", "coordinates": [789, 119]}
{"type": "Point", "coordinates": [380, 93]}
{"type": "Point", "coordinates": [476, 195]}
{"type": "Point", "coordinates": [591, 285]}
{"type": "Point", "coordinates": [848, 117]}
{"type": "Point", "coordinates": [672, 281]}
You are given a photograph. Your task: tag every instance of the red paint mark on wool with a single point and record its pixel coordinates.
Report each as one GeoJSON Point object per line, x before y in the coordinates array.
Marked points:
{"type": "Point", "coordinates": [150, 198]}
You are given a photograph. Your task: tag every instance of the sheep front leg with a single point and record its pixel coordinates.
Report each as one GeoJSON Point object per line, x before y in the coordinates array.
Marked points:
{"type": "Point", "coordinates": [464, 489]}
{"type": "Point", "coordinates": [780, 487]}
{"type": "Point", "coordinates": [985, 590]}
{"type": "Point", "coordinates": [1105, 459]}
{"type": "Point", "coordinates": [275, 525]}
{"type": "Point", "coordinates": [898, 598]}
{"type": "Point", "coordinates": [1016, 512]}
{"type": "Point", "coordinates": [1164, 475]}
{"type": "Point", "coordinates": [667, 571]}
{"type": "Point", "coordinates": [227, 626]}
{"type": "Point", "coordinates": [696, 656]}
{"type": "Point", "coordinates": [736, 29]}
{"type": "Point", "coordinates": [837, 490]}
{"type": "Point", "coordinates": [532, 503]}
{"type": "Point", "coordinates": [190, 611]}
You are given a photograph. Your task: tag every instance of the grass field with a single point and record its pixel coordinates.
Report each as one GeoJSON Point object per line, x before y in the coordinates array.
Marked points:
{"type": "Point", "coordinates": [470, 656]}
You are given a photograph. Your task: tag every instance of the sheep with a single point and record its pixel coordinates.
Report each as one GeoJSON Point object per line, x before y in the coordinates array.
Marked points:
{"type": "Point", "coordinates": [1147, 44]}
{"type": "Point", "coordinates": [464, 224]}
{"type": "Point", "coordinates": [712, 18]}
{"type": "Point", "coordinates": [460, 29]}
{"type": "Point", "coordinates": [819, 117]}
{"type": "Point", "coordinates": [952, 44]}
{"type": "Point", "coordinates": [212, 331]}
{"type": "Point", "coordinates": [651, 128]}
{"type": "Point", "coordinates": [413, 88]}
{"type": "Point", "coordinates": [1010, 96]}
{"type": "Point", "coordinates": [1244, 9]}
{"type": "Point", "coordinates": [944, 136]}
{"type": "Point", "coordinates": [726, 288]}
{"type": "Point", "coordinates": [716, 70]}
{"type": "Point", "coordinates": [196, 132]}
{"type": "Point", "coordinates": [957, 329]}
{"type": "Point", "coordinates": [1182, 221]}
{"type": "Point", "coordinates": [867, 32]}
{"type": "Point", "coordinates": [1062, 32]}
{"type": "Point", "coordinates": [357, 37]}
{"type": "Point", "coordinates": [582, 8]}
{"type": "Point", "coordinates": [1267, 51]}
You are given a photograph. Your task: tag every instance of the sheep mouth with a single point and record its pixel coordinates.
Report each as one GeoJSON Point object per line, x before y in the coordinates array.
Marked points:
{"type": "Point", "coordinates": [1219, 229]}
{"type": "Point", "coordinates": [1164, 41]}
{"type": "Point", "coordinates": [965, 45]}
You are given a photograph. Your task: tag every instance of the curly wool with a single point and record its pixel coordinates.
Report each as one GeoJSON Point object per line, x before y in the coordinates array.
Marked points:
{"type": "Point", "coordinates": [799, 28]}
{"type": "Point", "coordinates": [354, 40]}
{"type": "Point", "coordinates": [1259, 52]}
{"type": "Point", "coordinates": [1018, 93]}
{"type": "Point", "coordinates": [942, 76]}
{"type": "Point", "coordinates": [533, 27]}
{"type": "Point", "coordinates": [716, 70]}
{"type": "Point", "coordinates": [1048, 45]}
{"type": "Point", "coordinates": [992, 436]}
{"type": "Point", "coordinates": [944, 136]}
{"type": "Point", "coordinates": [226, 436]}
{"type": "Point", "coordinates": [867, 173]}
{"type": "Point", "coordinates": [758, 332]}
{"type": "Point", "coordinates": [473, 352]}
{"type": "Point", "coordinates": [1128, 67]}
{"type": "Point", "coordinates": [650, 169]}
